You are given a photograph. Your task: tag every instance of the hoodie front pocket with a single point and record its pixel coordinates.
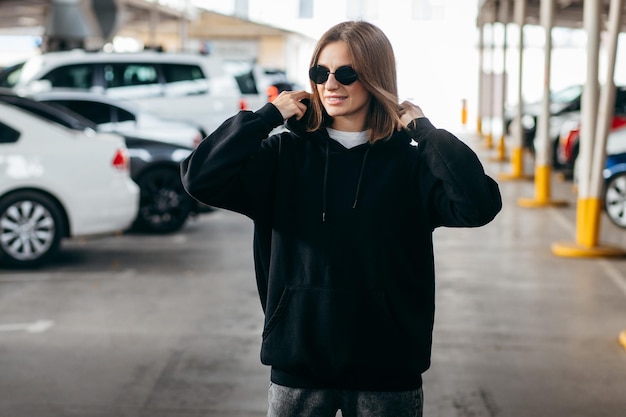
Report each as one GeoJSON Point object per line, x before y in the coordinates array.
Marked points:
{"type": "Point", "coordinates": [331, 332]}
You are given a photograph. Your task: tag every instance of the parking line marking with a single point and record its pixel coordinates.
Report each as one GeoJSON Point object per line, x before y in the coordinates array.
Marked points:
{"type": "Point", "coordinates": [38, 326]}
{"type": "Point", "coordinates": [568, 226]}
{"type": "Point", "coordinates": [616, 276]}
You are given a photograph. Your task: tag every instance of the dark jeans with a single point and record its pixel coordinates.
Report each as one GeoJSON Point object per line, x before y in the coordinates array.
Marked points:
{"type": "Point", "coordinates": [298, 402]}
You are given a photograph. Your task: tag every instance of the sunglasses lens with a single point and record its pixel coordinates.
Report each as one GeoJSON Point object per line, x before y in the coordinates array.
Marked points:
{"type": "Point", "coordinates": [319, 74]}
{"type": "Point", "coordinates": [346, 75]}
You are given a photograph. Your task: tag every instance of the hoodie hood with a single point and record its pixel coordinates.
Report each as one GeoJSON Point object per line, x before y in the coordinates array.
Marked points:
{"type": "Point", "coordinates": [298, 128]}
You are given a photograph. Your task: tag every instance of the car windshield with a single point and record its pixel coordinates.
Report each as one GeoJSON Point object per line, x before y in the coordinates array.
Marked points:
{"type": "Point", "coordinates": [51, 113]}
{"type": "Point", "coordinates": [567, 95]}
{"type": "Point", "coordinates": [11, 75]}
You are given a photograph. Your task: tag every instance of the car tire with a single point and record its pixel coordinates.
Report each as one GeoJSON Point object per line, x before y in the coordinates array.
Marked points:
{"type": "Point", "coordinates": [31, 228]}
{"type": "Point", "coordinates": [615, 200]}
{"type": "Point", "coordinates": [164, 205]}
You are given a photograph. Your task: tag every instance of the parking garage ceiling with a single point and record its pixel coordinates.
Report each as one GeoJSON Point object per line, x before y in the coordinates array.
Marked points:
{"type": "Point", "coordinates": [568, 13]}
{"type": "Point", "coordinates": [30, 16]}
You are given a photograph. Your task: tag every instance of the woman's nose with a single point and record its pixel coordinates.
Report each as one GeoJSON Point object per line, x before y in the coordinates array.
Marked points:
{"type": "Point", "coordinates": [331, 83]}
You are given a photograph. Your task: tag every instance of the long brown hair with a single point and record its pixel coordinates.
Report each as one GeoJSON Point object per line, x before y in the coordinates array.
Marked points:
{"type": "Point", "coordinates": [374, 61]}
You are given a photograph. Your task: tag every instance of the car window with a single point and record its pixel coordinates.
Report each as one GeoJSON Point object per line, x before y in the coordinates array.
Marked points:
{"type": "Point", "coordinates": [246, 83]}
{"type": "Point", "coordinates": [96, 112]}
{"type": "Point", "coordinates": [50, 113]}
{"type": "Point", "coordinates": [123, 115]}
{"type": "Point", "coordinates": [71, 76]}
{"type": "Point", "coordinates": [11, 75]}
{"type": "Point", "coordinates": [8, 134]}
{"type": "Point", "coordinates": [181, 72]}
{"type": "Point", "coordinates": [132, 80]}
{"type": "Point", "coordinates": [184, 80]}
{"type": "Point", "coordinates": [130, 74]}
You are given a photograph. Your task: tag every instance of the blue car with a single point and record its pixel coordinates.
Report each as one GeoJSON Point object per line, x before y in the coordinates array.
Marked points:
{"type": "Point", "coordinates": [615, 188]}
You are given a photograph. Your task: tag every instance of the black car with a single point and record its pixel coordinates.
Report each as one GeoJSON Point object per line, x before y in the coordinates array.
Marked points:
{"type": "Point", "coordinates": [164, 205]}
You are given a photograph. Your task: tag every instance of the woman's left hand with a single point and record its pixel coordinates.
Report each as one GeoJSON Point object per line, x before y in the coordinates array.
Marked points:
{"type": "Point", "coordinates": [409, 112]}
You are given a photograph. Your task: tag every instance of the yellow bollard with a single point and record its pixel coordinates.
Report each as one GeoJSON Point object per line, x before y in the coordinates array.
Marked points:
{"type": "Point", "coordinates": [517, 166]}
{"type": "Point", "coordinates": [489, 141]}
{"type": "Point", "coordinates": [587, 236]}
{"type": "Point", "coordinates": [588, 221]}
{"type": "Point", "coordinates": [542, 190]}
{"type": "Point", "coordinates": [464, 112]}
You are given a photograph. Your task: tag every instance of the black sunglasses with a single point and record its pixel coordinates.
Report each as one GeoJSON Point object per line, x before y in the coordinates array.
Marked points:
{"type": "Point", "coordinates": [346, 75]}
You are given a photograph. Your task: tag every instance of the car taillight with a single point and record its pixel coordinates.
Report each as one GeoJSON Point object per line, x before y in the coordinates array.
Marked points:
{"type": "Point", "coordinates": [568, 149]}
{"type": "Point", "coordinates": [618, 121]}
{"type": "Point", "coordinates": [121, 160]}
{"type": "Point", "coordinates": [197, 139]}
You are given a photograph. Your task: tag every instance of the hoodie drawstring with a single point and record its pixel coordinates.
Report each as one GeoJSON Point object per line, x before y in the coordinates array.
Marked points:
{"type": "Point", "coordinates": [358, 184]}
{"type": "Point", "coordinates": [326, 163]}
{"type": "Point", "coordinates": [325, 186]}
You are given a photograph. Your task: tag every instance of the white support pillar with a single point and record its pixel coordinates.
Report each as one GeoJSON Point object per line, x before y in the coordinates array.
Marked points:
{"type": "Point", "coordinates": [481, 71]}
{"type": "Point", "coordinates": [491, 99]}
{"type": "Point", "coordinates": [594, 131]}
{"type": "Point", "coordinates": [516, 129]}
{"type": "Point", "coordinates": [606, 103]}
{"type": "Point", "coordinates": [501, 147]}
{"type": "Point", "coordinates": [543, 141]}
{"type": "Point", "coordinates": [589, 102]}
{"type": "Point", "coordinates": [153, 24]}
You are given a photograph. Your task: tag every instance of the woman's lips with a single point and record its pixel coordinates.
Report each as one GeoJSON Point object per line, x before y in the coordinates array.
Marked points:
{"type": "Point", "coordinates": [335, 99]}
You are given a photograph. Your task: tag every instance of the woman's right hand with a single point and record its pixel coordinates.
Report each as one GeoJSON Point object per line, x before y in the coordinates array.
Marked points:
{"type": "Point", "coordinates": [289, 103]}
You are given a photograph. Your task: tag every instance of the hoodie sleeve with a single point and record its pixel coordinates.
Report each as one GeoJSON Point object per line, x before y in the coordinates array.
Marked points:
{"type": "Point", "coordinates": [461, 194]}
{"type": "Point", "coordinates": [233, 167]}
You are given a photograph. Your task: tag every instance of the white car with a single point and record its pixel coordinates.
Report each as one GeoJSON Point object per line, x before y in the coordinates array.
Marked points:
{"type": "Point", "coordinates": [182, 86]}
{"type": "Point", "coordinates": [121, 116]}
{"type": "Point", "coordinates": [257, 84]}
{"type": "Point", "coordinates": [58, 183]}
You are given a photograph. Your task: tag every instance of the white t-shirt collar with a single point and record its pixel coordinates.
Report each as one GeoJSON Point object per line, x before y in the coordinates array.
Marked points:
{"type": "Point", "coordinates": [348, 139]}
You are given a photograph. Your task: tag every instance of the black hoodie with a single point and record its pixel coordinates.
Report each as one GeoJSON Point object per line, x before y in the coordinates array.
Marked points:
{"type": "Point", "coordinates": [343, 241]}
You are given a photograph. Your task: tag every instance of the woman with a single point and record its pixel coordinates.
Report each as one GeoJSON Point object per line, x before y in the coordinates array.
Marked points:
{"type": "Point", "coordinates": [344, 204]}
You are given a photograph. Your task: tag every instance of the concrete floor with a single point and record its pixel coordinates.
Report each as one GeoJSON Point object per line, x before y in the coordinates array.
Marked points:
{"type": "Point", "coordinates": [169, 326]}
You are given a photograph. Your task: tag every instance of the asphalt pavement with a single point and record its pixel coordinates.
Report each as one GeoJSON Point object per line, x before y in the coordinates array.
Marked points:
{"type": "Point", "coordinates": [156, 326]}
{"type": "Point", "coordinates": [520, 331]}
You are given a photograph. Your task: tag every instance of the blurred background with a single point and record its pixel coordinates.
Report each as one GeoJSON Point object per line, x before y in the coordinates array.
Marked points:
{"type": "Point", "coordinates": [435, 41]}
{"type": "Point", "coordinates": [159, 315]}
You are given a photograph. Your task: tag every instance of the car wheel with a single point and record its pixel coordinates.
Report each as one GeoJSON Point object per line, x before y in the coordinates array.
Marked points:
{"type": "Point", "coordinates": [615, 200]}
{"type": "Point", "coordinates": [31, 227]}
{"type": "Point", "coordinates": [164, 205]}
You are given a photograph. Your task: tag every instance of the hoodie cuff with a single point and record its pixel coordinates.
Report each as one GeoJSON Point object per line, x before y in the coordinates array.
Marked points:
{"type": "Point", "coordinates": [270, 114]}
{"type": "Point", "coordinates": [419, 127]}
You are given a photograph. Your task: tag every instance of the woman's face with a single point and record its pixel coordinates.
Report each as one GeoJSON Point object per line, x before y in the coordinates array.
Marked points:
{"type": "Point", "coordinates": [347, 104]}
